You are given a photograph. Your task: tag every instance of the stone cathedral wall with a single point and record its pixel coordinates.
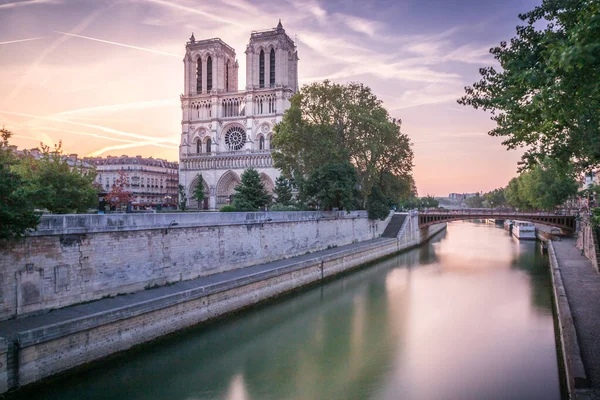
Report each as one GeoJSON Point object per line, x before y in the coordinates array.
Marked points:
{"type": "Point", "coordinates": [77, 258]}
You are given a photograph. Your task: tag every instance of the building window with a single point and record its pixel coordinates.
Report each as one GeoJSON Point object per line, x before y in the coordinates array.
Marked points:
{"type": "Point", "coordinates": [235, 138]}
{"type": "Point", "coordinates": [261, 69]}
{"type": "Point", "coordinates": [227, 76]}
{"type": "Point", "coordinates": [261, 143]}
{"type": "Point", "coordinates": [199, 75]}
{"type": "Point", "coordinates": [208, 145]}
{"type": "Point", "coordinates": [272, 68]}
{"type": "Point", "coordinates": [209, 74]}
{"type": "Point", "coordinates": [198, 146]}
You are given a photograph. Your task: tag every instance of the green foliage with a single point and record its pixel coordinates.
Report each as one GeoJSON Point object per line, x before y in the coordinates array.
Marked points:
{"type": "Point", "coordinates": [282, 207]}
{"type": "Point", "coordinates": [544, 187]}
{"type": "Point", "coordinates": [475, 201]}
{"type": "Point", "coordinates": [199, 190]}
{"type": "Point", "coordinates": [377, 204]}
{"type": "Point", "coordinates": [251, 194]}
{"type": "Point", "coordinates": [17, 213]}
{"type": "Point", "coordinates": [546, 96]}
{"type": "Point", "coordinates": [227, 208]}
{"type": "Point", "coordinates": [182, 198]}
{"type": "Point", "coordinates": [329, 123]}
{"type": "Point", "coordinates": [495, 198]}
{"type": "Point", "coordinates": [54, 185]}
{"type": "Point", "coordinates": [420, 203]}
{"type": "Point", "coordinates": [283, 191]}
{"type": "Point", "coordinates": [333, 185]}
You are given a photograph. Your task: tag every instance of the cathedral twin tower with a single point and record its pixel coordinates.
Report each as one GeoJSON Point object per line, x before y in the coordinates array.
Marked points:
{"type": "Point", "coordinates": [225, 131]}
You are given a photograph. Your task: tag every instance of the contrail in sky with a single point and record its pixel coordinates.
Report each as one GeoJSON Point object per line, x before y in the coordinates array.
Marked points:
{"type": "Point", "coordinates": [99, 127]}
{"type": "Point", "coordinates": [136, 105]}
{"type": "Point", "coordinates": [26, 77]}
{"type": "Point", "coordinates": [22, 40]}
{"type": "Point", "coordinates": [179, 56]}
{"type": "Point", "coordinates": [120, 146]}
{"type": "Point", "coordinates": [27, 3]}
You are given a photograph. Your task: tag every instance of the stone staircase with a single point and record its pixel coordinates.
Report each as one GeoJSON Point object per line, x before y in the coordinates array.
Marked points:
{"type": "Point", "coordinates": [394, 226]}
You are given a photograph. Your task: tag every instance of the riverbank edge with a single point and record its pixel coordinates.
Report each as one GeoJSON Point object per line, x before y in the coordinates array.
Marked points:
{"type": "Point", "coordinates": [572, 363]}
{"type": "Point", "coordinates": [35, 354]}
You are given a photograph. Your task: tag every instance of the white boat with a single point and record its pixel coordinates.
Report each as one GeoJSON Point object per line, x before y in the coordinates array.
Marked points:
{"type": "Point", "coordinates": [508, 224]}
{"type": "Point", "coordinates": [523, 230]}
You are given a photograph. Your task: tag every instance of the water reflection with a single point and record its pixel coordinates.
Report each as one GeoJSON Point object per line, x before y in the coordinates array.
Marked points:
{"type": "Point", "coordinates": [466, 317]}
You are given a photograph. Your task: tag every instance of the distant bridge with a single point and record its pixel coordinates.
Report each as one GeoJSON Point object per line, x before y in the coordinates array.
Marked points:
{"type": "Point", "coordinates": [564, 220]}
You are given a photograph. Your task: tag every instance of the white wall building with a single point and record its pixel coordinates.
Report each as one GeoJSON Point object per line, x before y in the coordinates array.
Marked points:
{"type": "Point", "coordinates": [152, 181]}
{"type": "Point", "coordinates": [225, 131]}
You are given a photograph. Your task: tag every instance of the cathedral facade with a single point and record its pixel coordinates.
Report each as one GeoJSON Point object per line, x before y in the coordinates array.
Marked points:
{"type": "Point", "coordinates": [224, 130]}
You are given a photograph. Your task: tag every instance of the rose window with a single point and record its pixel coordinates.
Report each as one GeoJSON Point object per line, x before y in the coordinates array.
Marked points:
{"type": "Point", "coordinates": [235, 138]}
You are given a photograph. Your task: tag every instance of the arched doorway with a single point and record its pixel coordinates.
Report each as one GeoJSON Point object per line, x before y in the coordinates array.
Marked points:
{"type": "Point", "coordinates": [226, 187]}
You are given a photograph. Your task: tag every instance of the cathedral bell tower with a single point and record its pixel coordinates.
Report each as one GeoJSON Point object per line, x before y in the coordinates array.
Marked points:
{"type": "Point", "coordinates": [271, 60]}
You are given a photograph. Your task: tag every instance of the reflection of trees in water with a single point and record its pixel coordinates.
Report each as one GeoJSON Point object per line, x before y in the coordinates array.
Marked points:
{"type": "Point", "coordinates": [331, 341]}
{"type": "Point", "coordinates": [536, 265]}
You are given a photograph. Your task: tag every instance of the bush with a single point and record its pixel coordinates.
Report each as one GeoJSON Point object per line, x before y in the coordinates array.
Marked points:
{"type": "Point", "coordinates": [227, 208]}
{"type": "Point", "coordinates": [281, 207]}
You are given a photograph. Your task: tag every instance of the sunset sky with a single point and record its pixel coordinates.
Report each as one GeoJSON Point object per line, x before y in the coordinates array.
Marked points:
{"type": "Point", "coordinates": [105, 75]}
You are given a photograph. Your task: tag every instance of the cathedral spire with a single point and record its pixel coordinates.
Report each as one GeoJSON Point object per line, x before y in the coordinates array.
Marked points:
{"type": "Point", "coordinates": [192, 38]}
{"type": "Point", "coordinates": [279, 26]}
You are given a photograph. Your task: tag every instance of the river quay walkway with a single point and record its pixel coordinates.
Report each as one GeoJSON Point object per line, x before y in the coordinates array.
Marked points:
{"type": "Point", "coordinates": [111, 308]}
{"type": "Point", "coordinates": [582, 286]}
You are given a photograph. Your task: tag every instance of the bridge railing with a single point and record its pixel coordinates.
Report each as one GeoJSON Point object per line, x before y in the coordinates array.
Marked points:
{"type": "Point", "coordinates": [498, 212]}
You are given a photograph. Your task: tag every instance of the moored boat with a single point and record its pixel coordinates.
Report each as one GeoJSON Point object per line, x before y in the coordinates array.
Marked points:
{"type": "Point", "coordinates": [523, 230]}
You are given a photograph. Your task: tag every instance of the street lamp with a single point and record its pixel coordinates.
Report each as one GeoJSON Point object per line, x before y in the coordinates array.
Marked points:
{"type": "Point", "coordinates": [172, 223]}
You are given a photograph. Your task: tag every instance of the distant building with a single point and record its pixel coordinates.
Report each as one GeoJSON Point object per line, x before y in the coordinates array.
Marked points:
{"type": "Point", "coordinates": [225, 131]}
{"type": "Point", "coordinates": [152, 181]}
{"type": "Point", "coordinates": [461, 196]}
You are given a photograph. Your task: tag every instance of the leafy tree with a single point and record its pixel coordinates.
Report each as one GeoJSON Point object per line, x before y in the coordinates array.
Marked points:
{"type": "Point", "coordinates": [17, 213]}
{"type": "Point", "coordinates": [333, 185]}
{"type": "Point", "coordinates": [513, 194]}
{"type": "Point", "coordinates": [396, 188]}
{"type": "Point", "coordinates": [495, 198]}
{"type": "Point", "coordinates": [377, 204]}
{"type": "Point", "coordinates": [475, 201]}
{"type": "Point", "coordinates": [419, 202]}
{"type": "Point", "coordinates": [329, 123]}
{"type": "Point", "coordinates": [118, 194]}
{"type": "Point", "coordinates": [51, 183]}
{"type": "Point", "coordinates": [199, 190]}
{"type": "Point", "coordinates": [182, 198]}
{"type": "Point", "coordinates": [546, 96]}
{"type": "Point", "coordinates": [283, 191]}
{"type": "Point", "coordinates": [429, 202]}
{"type": "Point", "coordinates": [548, 185]}
{"type": "Point", "coordinates": [251, 194]}
{"type": "Point", "coordinates": [544, 187]}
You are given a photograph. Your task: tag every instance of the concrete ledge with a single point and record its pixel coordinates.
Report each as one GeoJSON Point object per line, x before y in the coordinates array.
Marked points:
{"type": "Point", "coordinates": [66, 224]}
{"type": "Point", "coordinates": [571, 354]}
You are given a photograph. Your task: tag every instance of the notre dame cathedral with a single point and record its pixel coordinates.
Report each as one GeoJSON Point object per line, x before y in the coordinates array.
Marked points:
{"type": "Point", "coordinates": [224, 130]}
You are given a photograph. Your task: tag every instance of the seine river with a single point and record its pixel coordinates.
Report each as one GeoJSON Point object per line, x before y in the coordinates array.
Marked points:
{"type": "Point", "coordinates": [468, 316]}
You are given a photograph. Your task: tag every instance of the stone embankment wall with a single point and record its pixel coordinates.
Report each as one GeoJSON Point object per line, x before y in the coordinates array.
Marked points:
{"type": "Point", "coordinates": [76, 258]}
{"type": "Point", "coordinates": [52, 347]}
{"type": "Point", "coordinates": [587, 240]}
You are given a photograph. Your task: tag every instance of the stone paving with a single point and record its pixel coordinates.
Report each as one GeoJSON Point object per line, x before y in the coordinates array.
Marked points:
{"type": "Point", "coordinates": [582, 285]}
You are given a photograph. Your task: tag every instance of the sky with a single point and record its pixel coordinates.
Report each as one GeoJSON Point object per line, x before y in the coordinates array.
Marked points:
{"type": "Point", "coordinates": [104, 76]}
